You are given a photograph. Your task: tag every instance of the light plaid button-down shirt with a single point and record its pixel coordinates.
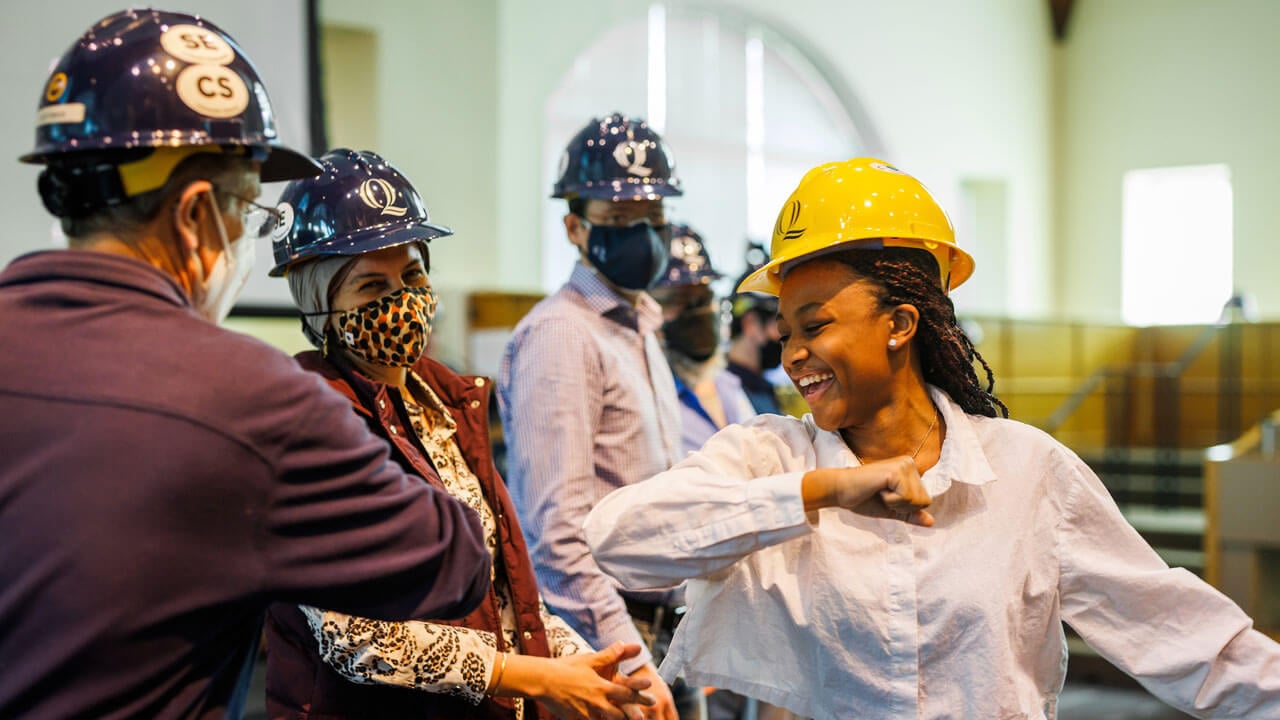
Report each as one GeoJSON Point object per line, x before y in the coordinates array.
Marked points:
{"type": "Point", "coordinates": [588, 406]}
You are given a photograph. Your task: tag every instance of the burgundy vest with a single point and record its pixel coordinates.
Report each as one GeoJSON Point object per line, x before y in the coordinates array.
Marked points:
{"type": "Point", "coordinates": [300, 686]}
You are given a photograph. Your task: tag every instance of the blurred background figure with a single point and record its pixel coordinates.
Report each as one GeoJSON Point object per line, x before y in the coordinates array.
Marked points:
{"type": "Point", "coordinates": [588, 403]}
{"type": "Point", "coordinates": [711, 391]}
{"type": "Point", "coordinates": [754, 347]}
{"type": "Point", "coordinates": [693, 339]}
{"type": "Point", "coordinates": [755, 350]}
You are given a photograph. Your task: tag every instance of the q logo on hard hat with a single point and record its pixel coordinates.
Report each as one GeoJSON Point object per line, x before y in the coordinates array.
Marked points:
{"type": "Point", "coordinates": [686, 247]}
{"type": "Point", "coordinates": [787, 219]}
{"type": "Point", "coordinates": [631, 156]}
{"type": "Point", "coordinates": [689, 250]}
{"type": "Point", "coordinates": [379, 194]}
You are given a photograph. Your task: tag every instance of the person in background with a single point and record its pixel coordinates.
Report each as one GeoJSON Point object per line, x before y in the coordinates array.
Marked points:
{"type": "Point", "coordinates": [754, 348]}
{"type": "Point", "coordinates": [356, 255]}
{"type": "Point", "coordinates": [588, 403]}
{"type": "Point", "coordinates": [906, 550]}
{"type": "Point", "coordinates": [692, 337]}
{"type": "Point", "coordinates": [711, 397]}
{"type": "Point", "coordinates": [163, 480]}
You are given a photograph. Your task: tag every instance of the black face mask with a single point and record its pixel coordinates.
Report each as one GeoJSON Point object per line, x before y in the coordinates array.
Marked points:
{"type": "Point", "coordinates": [770, 355]}
{"type": "Point", "coordinates": [695, 333]}
{"type": "Point", "coordinates": [633, 258]}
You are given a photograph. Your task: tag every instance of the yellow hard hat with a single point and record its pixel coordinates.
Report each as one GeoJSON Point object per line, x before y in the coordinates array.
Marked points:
{"type": "Point", "coordinates": [867, 203]}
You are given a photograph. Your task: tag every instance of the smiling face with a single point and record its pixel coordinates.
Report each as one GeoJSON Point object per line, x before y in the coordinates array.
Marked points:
{"type": "Point", "coordinates": [379, 273]}
{"type": "Point", "coordinates": [835, 340]}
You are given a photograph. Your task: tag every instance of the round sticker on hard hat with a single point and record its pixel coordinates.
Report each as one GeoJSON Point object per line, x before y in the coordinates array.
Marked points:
{"type": "Point", "coordinates": [56, 88]}
{"type": "Point", "coordinates": [886, 168]}
{"type": "Point", "coordinates": [284, 222]}
{"type": "Point", "coordinates": [194, 44]}
{"type": "Point", "coordinates": [212, 90]}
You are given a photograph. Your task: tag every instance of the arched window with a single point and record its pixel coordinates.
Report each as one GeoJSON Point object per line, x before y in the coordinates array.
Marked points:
{"type": "Point", "coordinates": [745, 112]}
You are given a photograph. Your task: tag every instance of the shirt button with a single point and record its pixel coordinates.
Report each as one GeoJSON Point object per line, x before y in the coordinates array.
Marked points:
{"type": "Point", "coordinates": [479, 382]}
{"type": "Point", "coordinates": [528, 635]}
{"type": "Point", "coordinates": [382, 404]}
{"type": "Point", "coordinates": [475, 403]}
{"type": "Point", "coordinates": [393, 430]}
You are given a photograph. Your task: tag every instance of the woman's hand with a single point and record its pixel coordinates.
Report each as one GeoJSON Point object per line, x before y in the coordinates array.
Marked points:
{"type": "Point", "coordinates": [578, 687]}
{"type": "Point", "coordinates": [886, 489]}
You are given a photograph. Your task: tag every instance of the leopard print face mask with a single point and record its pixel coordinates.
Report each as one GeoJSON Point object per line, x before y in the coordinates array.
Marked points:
{"type": "Point", "coordinates": [391, 331]}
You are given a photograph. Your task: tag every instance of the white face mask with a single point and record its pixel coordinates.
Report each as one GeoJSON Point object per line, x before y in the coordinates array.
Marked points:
{"type": "Point", "coordinates": [214, 297]}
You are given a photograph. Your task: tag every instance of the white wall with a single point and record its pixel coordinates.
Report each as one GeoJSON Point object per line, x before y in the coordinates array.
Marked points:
{"type": "Point", "coordinates": [1153, 83]}
{"type": "Point", "coordinates": [437, 120]}
{"type": "Point", "coordinates": [964, 94]}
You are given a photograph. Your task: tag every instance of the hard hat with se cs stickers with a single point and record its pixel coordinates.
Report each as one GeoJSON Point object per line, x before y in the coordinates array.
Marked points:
{"type": "Point", "coordinates": [142, 80]}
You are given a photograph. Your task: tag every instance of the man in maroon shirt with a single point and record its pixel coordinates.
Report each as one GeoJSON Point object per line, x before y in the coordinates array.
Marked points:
{"type": "Point", "coordinates": [163, 480]}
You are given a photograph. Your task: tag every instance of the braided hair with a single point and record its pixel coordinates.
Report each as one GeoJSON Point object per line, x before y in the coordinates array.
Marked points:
{"type": "Point", "coordinates": [910, 276]}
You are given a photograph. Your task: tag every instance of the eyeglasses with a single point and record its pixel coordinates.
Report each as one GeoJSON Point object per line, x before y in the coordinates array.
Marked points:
{"type": "Point", "coordinates": [258, 220]}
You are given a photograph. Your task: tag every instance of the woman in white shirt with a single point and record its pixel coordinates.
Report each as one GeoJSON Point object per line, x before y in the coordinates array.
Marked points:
{"type": "Point", "coordinates": [903, 551]}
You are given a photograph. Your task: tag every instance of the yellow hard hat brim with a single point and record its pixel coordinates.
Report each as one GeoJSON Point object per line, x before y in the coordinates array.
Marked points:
{"type": "Point", "coordinates": [954, 264]}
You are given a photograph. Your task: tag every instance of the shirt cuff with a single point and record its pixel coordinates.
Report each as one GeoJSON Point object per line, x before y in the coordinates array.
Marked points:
{"type": "Point", "coordinates": [621, 629]}
{"type": "Point", "coordinates": [777, 505]}
{"type": "Point", "coordinates": [777, 502]}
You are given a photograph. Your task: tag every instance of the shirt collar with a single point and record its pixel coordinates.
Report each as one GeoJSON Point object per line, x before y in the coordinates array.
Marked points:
{"type": "Point", "coordinates": [644, 317]}
{"type": "Point", "coordinates": [962, 459]}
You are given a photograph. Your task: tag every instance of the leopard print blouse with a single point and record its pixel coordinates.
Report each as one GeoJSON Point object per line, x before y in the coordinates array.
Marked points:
{"type": "Point", "coordinates": [432, 657]}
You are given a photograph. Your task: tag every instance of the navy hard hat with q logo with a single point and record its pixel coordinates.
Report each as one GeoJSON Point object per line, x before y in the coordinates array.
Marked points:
{"type": "Point", "coordinates": [360, 203]}
{"type": "Point", "coordinates": [143, 79]}
{"type": "Point", "coordinates": [617, 158]}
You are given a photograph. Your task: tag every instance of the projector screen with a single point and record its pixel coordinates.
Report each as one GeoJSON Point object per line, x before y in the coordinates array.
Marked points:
{"type": "Point", "coordinates": [274, 36]}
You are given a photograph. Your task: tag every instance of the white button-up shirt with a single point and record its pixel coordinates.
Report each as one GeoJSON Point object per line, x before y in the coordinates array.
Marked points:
{"type": "Point", "coordinates": [838, 615]}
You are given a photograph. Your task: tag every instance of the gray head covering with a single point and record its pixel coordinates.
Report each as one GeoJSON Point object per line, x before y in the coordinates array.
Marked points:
{"type": "Point", "coordinates": [310, 284]}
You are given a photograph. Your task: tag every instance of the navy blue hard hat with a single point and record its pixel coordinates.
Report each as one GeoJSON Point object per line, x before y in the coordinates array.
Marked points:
{"type": "Point", "coordinates": [359, 203]}
{"type": "Point", "coordinates": [617, 158]}
{"type": "Point", "coordinates": [689, 263]}
{"type": "Point", "coordinates": [143, 79]}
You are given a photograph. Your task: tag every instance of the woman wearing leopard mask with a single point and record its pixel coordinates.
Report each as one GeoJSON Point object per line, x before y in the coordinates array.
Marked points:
{"type": "Point", "coordinates": [353, 245]}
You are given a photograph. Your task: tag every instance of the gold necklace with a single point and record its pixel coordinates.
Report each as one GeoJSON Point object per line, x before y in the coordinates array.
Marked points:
{"type": "Point", "coordinates": [919, 447]}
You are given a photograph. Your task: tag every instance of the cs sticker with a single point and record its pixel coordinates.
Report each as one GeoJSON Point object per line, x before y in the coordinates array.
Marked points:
{"type": "Point", "coordinates": [212, 90]}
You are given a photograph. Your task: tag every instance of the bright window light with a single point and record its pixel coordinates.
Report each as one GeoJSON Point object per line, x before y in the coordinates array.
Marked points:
{"type": "Point", "coordinates": [1177, 245]}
